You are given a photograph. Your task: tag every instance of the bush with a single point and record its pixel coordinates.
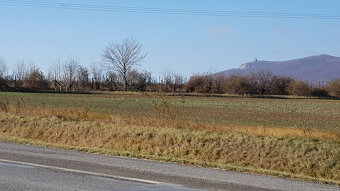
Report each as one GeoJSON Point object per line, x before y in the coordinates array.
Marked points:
{"type": "Point", "coordinates": [200, 84]}
{"type": "Point", "coordinates": [3, 84]}
{"type": "Point", "coordinates": [334, 88]}
{"type": "Point", "coordinates": [240, 85]}
{"type": "Point", "coordinates": [218, 84]}
{"type": "Point", "coordinates": [234, 85]}
{"type": "Point", "coordinates": [319, 92]}
{"type": "Point", "coordinates": [36, 80]}
{"type": "Point", "coordinates": [280, 85]}
{"type": "Point", "coordinates": [262, 82]}
{"type": "Point", "coordinates": [299, 88]}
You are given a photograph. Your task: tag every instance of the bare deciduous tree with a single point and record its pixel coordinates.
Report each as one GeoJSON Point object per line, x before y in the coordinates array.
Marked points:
{"type": "Point", "coordinates": [122, 57]}
{"type": "Point", "coordinates": [263, 82]}
{"type": "Point", "coordinates": [96, 72]}
{"type": "Point", "coordinates": [83, 77]}
{"type": "Point", "coordinates": [299, 88]}
{"type": "Point", "coordinates": [200, 83]}
{"type": "Point", "coordinates": [70, 71]}
{"type": "Point", "coordinates": [172, 81]}
{"type": "Point", "coordinates": [3, 67]}
{"type": "Point", "coordinates": [21, 70]}
{"type": "Point", "coordinates": [111, 80]}
{"type": "Point", "coordinates": [54, 72]}
{"type": "Point", "coordinates": [334, 87]}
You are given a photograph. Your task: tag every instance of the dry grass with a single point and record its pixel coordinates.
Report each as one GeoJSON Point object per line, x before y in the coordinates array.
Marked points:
{"type": "Point", "coordinates": [78, 114]}
{"type": "Point", "coordinates": [225, 150]}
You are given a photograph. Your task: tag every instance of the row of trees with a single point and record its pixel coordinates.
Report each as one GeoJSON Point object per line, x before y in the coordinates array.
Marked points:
{"type": "Point", "coordinates": [118, 71]}
{"type": "Point", "coordinates": [261, 83]}
{"type": "Point", "coordinates": [71, 76]}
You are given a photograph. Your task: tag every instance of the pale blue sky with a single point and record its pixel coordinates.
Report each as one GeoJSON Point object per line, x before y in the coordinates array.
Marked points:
{"type": "Point", "coordinates": [181, 43]}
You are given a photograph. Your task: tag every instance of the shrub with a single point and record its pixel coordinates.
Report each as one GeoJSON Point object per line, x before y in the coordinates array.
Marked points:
{"type": "Point", "coordinates": [280, 85]}
{"type": "Point", "coordinates": [218, 84]}
{"type": "Point", "coordinates": [240, 85]}
{"type": "Point", "coordinates": [138, 81]}
{"type": "Point", "coordinates": [234, 85]}
{"type": "Point", "coordinates": [334, 88]}
{"type": "Point", "coordinates": [299, 88]}
{"type": "Point", "coordinates": [262, 82]}
{"type": "Point", "coordinates": [3, 84]}
{"type": "Point", "coordinates": [172, 82]}
{"type": "Point", "coordinates": [200, 84]}
{"type": "Point", "coordinates": [319, 92]}
{"type": "Point", "coordinates": [36, 80]}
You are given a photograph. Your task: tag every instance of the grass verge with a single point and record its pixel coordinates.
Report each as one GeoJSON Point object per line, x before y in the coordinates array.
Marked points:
{"type": "Point", "coordinates": [303, 158]}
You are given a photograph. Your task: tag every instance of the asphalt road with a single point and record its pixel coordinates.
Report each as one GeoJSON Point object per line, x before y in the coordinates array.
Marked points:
{"type": "Point", "coordinates": [20, 177]}
{"type": "Point", "coordinates": [25, 167]}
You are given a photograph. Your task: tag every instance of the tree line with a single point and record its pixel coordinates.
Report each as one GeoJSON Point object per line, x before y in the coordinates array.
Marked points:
{"type": "Point", "coordinates": [117, 72]}
{"type": "Point", "coordinates": [260, 83]}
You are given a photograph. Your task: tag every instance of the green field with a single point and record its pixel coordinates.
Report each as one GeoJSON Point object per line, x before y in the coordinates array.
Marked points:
{"type": "Point", "coordinates": [296, 137]}
{"type": "Point", "coordinates": [317, 114]}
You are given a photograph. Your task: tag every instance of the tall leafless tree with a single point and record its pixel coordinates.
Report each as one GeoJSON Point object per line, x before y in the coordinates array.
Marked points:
{"type": "Point", "coordinates": [55, 72]}
{"type": "Point", "coordinates": [70, 71]}
{"type": "Point", "coordinates": [123, 57]}
{"type": "Point", "coordinates": [96, 72]}
{"type": "Point", "coordinates": [172, 81]}
{"type": "Point", "coordinates": [167, 82]}
{"type": "Point", "coordinates": [3, 67]}
{"type": "Point", "coordinates": [111, 80]}
{"type": "Point", "coordinates": [178, 82]}
{"type": "Point", "coordinates": [263, 82]}
{"type": "Point", "coordinates": [21, 70]}
{"type": "Point", "coordinates": [83, 77]}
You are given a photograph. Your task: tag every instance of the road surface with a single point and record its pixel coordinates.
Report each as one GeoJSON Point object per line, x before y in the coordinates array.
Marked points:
{"type": "Point", "coordinates": [24, 167]}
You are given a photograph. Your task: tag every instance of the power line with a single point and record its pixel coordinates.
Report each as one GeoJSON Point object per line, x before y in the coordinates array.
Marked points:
{"type": "Point", "coordinates": [111, 8]}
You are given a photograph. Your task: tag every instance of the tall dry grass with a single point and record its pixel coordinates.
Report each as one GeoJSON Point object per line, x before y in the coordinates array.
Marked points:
{"type": "Point", "coordinates": [312, 158]}
{"type": "Point", "coordinates": [170, 120]}
{"type": "Point", "coordinates": [4, 104]}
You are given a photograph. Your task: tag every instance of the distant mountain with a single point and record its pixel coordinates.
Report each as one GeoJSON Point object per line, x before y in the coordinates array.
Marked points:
{"type": "Point", "coordinates": [314, 69]}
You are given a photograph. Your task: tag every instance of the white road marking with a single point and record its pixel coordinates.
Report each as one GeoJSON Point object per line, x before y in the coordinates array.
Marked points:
{"type": "Point", "coordinates": [83, 172]}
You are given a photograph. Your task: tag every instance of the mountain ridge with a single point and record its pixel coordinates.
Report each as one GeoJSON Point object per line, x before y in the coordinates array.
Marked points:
{"type": "Point", "coordinates": [314, 69]}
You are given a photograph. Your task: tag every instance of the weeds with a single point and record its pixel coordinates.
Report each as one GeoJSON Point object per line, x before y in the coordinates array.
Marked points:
{"type": "Point", "coordinates": [21, 102]}
{"type": "Point", "coordinates": [86, 115]}
{"type": "Point", "coordinates": [4, 104]}
{"type": "Point", "coordinates": [163, 106]}
{"type": "Point", "coordinates": [288, 155]}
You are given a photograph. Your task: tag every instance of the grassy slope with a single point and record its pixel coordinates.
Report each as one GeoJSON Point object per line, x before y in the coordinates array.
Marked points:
{"type": "Point", "coordinates": [139, 127]}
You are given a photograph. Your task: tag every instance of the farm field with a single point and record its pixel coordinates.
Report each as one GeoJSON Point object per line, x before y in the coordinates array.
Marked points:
{"type": "Point", "coordinates": [291, 137]}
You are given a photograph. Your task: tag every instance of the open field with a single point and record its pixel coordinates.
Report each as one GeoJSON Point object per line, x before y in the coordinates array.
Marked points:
{"type": "Point", "coordinates": [294, 137]}
{"type": "Point", "coordinates": [312, 114]}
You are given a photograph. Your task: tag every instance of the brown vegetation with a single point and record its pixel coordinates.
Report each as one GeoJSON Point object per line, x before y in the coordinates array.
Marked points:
{"type": "Point", "coordinates": [169, 119]}
{"type": "Point", "coordinates": [36, 80]}
{"type": "Point", "coordinates": [334, 87]}
{"type": "Point", "coordinates": [200, 84]}
{"type": "Point", "coordinates": [267, 154]}
{"type": "Point", "coordinates": [299, 88]}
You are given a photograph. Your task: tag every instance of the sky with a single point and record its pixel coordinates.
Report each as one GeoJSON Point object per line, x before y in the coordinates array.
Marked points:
{"type": "Point", "coordinates": [183, 44]}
